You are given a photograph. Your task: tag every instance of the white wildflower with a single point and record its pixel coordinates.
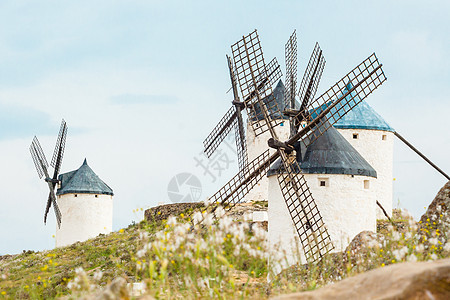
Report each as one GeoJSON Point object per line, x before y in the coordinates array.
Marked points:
{"type": "Point", "coordinates": [79, 271]}
{"type": "Point", "coordinates": [225, 223]}
{"type": "Point", "coordinates": [220, 212]}
{"type": "Point", "coordinates": [433, 256]}
{"type": "Point", "coordinates": [400, 253]}
{"type": "Point", "coordinates": [141, 253]}
{"type": "Point", "coordinates": [439, 208]}
{"type": "Point", "coordinates": [372, 243]}
{"type": "Point", "coordinates": [408, 235]}
{"type": "Point", "coordinates": [208, 219]}
{"type": "Point", "coordinates": [98, 275]}
{"type": "Point", "coordinates": [72, 285]}
{"type": "Point", "coordinates": [197, 217]}
{"type": "Point", "coordinates": [207, 202]}
{"type": "Point", "coordinates": [172, 221]}
{"type": "Point", "coordinates": [433, 241]}
{"type": "Point", "coordinates": [420, 248]}
{"type": "Point", "coordinates": [396, 236]}
{"type": "Point", "coordinates": [411, 258]}
{"type": "Point", "coordinates": [143, 235]}
{"type": "Point", "coordinates": [446, 247]}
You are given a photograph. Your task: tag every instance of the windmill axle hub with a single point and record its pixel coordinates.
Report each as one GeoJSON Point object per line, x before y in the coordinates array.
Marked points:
{"type": "Point", "coordinates": [291, 112]}
{"type": "Point", "coordinates": [51, 180]}
{"type": "Point", "coordinates": [238, 103]}
{"type": "Point", "coordinates": [273, 143]}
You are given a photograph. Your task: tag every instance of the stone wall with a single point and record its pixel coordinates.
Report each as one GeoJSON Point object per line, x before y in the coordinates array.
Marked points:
{"type": "Point", "coordinates": [162, 212]}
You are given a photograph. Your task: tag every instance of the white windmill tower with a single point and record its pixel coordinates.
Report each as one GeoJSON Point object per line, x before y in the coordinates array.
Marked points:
{"type": "Point", "coordinates": [373, 138]}
{"type": "Point", "coordinates": [340, 180]}
{"type": "Point", "coordinates": [86, 202]}
{"type": "Point", "coordinates": [83, 203]}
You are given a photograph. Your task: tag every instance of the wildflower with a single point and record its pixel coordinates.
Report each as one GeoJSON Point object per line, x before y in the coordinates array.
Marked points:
{"type": "Point", "coordinates": [121, 230]}
{"type": "Point", "coordinates": [3, 293]}
{"type": "Point", "coordinates": [433, 256]}
{"type": "Point", "coordinates": [399, 254]}
{"type": "Point", "coordinates": [411, 258]}
{"type": "Point", "coordinates": [220, 212]}
{"type": "Point", "coordinates": [396, 236]}
{"type": "Point", "coordinates": [172, 221]}
{"type": "Point", "coordinates": [420, 248]}
{"type": "Point", "coordinates": [433, 241]}
{"type": "Point", "coordinates": [197, 217]}
{"type": "Point", "coordinates": [98, 275]}
{"type": "Point", "coordinates": [143, 235]}
{"type": "Point", "coordinates": [447, 247]}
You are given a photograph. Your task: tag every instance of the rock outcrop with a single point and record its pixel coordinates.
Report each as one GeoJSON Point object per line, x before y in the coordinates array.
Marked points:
{"type": "Point", "coordinates": [162, 212]}
{"type": "Point", "coordinates": [438, 213]}
{"type": "Point", "coordinates": [419, 280]}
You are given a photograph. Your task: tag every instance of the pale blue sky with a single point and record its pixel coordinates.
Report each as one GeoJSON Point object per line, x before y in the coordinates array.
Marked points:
{"type": "Point", "coordinates": [142, 83]}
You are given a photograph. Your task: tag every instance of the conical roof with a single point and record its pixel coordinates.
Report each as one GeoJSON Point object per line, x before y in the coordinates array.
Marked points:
{"type": "Point", "coordinates": [83, 181]}
{"type": "Point", "coordinates": [362, 116]}
{"type": "Point", "coordinates": [278, 93]}
{"type": "Point", "coordinates": [331, 153]}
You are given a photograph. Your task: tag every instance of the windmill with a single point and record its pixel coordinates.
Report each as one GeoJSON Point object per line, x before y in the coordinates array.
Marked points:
{"type": "Point", "coordinates": [42, 168]}
{"type": "Point", "coordinates": [233, 117]}
{"type": "Point", "coordinates": [251, 71]}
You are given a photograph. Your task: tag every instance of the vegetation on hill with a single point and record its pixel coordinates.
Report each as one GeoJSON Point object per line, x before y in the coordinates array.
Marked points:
{"type": "Point", "coordinates": [221, 258]}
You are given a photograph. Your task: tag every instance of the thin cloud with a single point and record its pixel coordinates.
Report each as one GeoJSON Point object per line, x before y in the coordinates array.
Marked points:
{"type": "Point", "coordinates": [133, 99]}
{"type": "Point", "coordinates": [20, 122]}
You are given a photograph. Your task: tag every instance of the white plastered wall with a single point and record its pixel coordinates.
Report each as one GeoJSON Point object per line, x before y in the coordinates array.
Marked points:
{"type": "Point", "coordinates": [346, 207]}
{"type": "Point", "coordinates": [256, 145]}
{"type": "Point", "coordinates": [379, 154]}
{"type": "Point", "coordinates": [83, 217]}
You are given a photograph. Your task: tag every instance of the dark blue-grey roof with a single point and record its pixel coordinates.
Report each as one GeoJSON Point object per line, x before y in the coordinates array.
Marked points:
{"type": "Point", "coordinates": [279, 94]}
{"type": "Point", "coordinates": [331, 153]}
{"type": "Point", "coordinates": [362, 116]}
{"type": "Point", "coordinates": [83, 181]}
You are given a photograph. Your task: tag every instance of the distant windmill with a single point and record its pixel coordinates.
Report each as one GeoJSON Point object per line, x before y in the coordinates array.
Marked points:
{"type": "Point", "coordinates": [251, 71]}
{"type": "Point", "coordinates": [42, 168]}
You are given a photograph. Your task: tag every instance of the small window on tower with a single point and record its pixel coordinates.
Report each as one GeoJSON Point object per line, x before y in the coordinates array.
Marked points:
{"type": "Point", "coordinates": [383, 137]}
{"type": "Point", "coordinates": [323, 182]}
{"type": "Point", "coordinates": [355, 136]}
{"type": "Point", "coordinates": [76, 195]}
{"type": "Point", "coordinates": [96, 196]}
{"type": "Point", "coordinates": [366, 184]}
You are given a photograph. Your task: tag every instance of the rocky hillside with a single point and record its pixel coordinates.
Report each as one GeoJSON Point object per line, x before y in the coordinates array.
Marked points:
{"type": "Point", "coordinates": [166, 257]}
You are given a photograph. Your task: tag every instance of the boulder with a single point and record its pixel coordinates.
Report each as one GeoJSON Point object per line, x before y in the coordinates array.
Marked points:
{"type": "Point", "coordinates": [418, 280]}
{"type": "Point", "coordinates": [438, 212]}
